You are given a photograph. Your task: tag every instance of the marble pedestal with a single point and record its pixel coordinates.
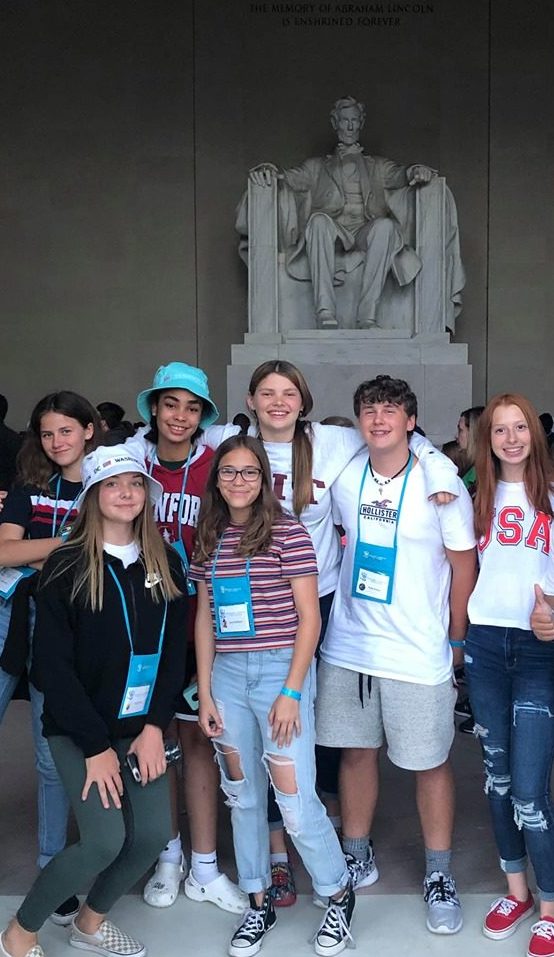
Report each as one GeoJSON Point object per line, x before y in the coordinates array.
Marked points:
{"type": "Point", "coordinates": [335, 363]}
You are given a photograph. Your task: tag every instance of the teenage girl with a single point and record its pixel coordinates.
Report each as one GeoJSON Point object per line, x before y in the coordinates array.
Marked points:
{"type": "Point", "coordinates": [467, 443]}
{"type": "Point", "coordinates": [257, 628]}
{"type": "Point", "coordinates": [306, 458]}
{"type": "Point", "coordinates": [509, 671]}
{"type": "Point", "coordinates": [109, 656]}
{"type": "Point", "coordinates": [37, 513]}
{"type": "Point", "coordinates": [178, 407]}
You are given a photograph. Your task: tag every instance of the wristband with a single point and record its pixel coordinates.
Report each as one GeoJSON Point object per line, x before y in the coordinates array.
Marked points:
{"type": "Point", "coordinates": [291, 693]}
{"type": "Point", "coordinates": [454, 643]}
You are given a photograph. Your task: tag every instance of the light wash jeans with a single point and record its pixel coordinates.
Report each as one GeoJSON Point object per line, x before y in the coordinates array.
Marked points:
{"type": "Point", "coordinates": [53, 804]}
{"type": "Point", "coordinates": [244, 687]}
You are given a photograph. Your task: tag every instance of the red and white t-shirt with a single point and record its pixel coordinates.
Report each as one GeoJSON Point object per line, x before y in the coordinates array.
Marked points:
{"type": "Point", "coordinates": [166, 511]}
{"type": "Point", "coordinates": [513, 556]}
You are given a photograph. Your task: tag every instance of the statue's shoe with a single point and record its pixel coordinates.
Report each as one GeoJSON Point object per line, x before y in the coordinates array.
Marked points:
{"type": "Point", "coordinates": [366, 323]}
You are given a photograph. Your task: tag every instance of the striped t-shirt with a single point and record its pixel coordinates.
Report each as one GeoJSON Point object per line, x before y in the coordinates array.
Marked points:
{"type": "Point", "coordinates": [290, 555]}
{"type": "Point", "coordinates": [41, 513]}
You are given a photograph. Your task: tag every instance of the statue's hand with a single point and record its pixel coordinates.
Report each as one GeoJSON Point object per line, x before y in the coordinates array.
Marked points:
{"type": "Point", "coordinates": [420, 174]}
{"type": "Point", "coordinates": [263, 175]}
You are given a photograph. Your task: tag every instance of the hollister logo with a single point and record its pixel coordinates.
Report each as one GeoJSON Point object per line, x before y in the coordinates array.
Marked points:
{"type": "Point", "coordinates": [379, 510]}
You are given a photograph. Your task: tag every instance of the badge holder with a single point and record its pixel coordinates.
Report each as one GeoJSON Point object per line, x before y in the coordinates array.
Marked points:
{"type": "Point", "coordinates": [234, 615]}
{"type": "Point", "coordinates": [179, 547]}
{"type": "Point", "coordinates": [374, 565]}
{"type": "Point", "coordinates": [143, 669]}
{"type": "Point", "coordinates": [10, 578]}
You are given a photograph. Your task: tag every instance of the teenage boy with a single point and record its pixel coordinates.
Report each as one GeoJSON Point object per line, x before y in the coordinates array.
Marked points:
{"type": "Point", "coordinates": [396, 629]}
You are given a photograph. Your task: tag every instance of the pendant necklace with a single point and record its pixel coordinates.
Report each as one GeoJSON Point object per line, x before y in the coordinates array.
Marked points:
{"type": "Point", "coordinates": [382, 482]}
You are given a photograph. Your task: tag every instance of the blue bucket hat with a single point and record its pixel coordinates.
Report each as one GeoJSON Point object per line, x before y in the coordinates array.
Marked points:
{"type": "Point", "coordinates": [178, 375]}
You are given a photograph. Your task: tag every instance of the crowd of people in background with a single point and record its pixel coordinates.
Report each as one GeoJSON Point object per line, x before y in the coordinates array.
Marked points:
{"type": "Point", "coordinates": [289, 597]}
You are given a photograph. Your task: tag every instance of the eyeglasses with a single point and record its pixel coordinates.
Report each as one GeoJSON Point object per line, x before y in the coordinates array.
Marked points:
{"type": "Point", "coordinates": [229, 474]}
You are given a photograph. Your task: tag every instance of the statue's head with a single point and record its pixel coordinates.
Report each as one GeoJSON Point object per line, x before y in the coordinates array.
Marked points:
{"type": "Point", "coordinates": [347, 119]}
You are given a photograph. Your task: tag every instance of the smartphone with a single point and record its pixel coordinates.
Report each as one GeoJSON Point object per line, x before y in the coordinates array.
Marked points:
{"type": "Point", "coordinates": [172, 754]}
{"type": "Point", "coordinates": [132, 763]}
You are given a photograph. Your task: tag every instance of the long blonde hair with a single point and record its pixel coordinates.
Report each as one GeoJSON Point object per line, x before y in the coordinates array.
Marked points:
{"type": "Point", "coordinates": [85, 550]}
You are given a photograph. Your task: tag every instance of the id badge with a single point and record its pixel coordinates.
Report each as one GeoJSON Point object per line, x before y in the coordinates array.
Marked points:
{"type": "Point", "coordinates": [232, 619]}
{"type": "Point", "coordinates": [180, 549]}
{"type": "Point", "coordinates": [10, 578]}
{"type": "Point", "coordinates": [141, 679]}
{"type": "Point", "coordinates": [190, 694]}
{"type": "Point", "coordinates": [373, 572]}
{"type": "Point", "coordinates": [233, 607]}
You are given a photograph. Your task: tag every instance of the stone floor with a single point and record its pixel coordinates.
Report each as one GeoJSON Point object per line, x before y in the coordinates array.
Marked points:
{"type": "Point", "coordinates": [389, 916]}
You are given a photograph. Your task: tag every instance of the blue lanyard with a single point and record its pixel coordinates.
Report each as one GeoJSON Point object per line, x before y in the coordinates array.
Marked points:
{"type": "Point", "coordinates": [67, 514]}
{"type": "Point", "coordinates": [246, 573]}
{"type": "Point", "coordinates": [362, 483]}
{"type": "Point", "coordinates": [126, 614]}
{"type": "Point", "coordinates": [181, 508]}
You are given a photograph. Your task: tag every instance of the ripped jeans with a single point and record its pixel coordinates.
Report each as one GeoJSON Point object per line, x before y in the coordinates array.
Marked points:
{"type": "Point", "coordinates": [510, 676]}
{"type": "Point", "coordinates": [244, 687]}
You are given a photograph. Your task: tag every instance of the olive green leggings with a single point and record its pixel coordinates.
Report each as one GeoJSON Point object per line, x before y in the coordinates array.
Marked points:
{"type": "Point", "coordinates": [115, 847]}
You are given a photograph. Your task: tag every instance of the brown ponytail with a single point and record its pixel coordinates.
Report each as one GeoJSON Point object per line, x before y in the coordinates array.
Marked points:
{"type": "Point", "coordinates": [302, 460]}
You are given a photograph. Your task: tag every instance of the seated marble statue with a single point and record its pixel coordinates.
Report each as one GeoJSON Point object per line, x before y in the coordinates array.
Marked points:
{"type": "Point", "coordinates": [345, 211]}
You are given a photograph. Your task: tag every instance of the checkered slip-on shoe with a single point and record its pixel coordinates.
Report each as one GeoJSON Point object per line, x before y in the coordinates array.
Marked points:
{"type": "Point", "coordinates": [35, 951]}
{"type": "Point", "coordinates": [108, 940]}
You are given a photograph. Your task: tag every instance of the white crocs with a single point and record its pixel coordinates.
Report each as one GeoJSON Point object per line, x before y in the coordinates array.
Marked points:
{"type": "Point", "coordinates": [162, 889]}
{"type": "Point", "coordinates": [221, 892]}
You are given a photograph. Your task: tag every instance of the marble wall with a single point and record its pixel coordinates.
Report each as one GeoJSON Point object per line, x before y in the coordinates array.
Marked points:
{"type": "Point", "coordinates": [128, 129]}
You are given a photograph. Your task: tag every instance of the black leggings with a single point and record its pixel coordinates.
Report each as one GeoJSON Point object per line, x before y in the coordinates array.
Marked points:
{"type": "Point", "coordinates": [115, 847]}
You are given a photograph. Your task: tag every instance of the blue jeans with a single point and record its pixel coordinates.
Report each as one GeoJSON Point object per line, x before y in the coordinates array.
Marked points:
{"type": "Point", "coordinates": [244, 687]}
{"type": "Point", "coordinates": [327, 760]}
{"type": "Point", "coordinates": [53, 804]}
{"type": "Point", "coordinates": [510, 676]}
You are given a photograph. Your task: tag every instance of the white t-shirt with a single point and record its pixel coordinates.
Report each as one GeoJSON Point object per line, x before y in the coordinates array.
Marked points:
{"type": "Point", "coordinates": [333, 448]}
{"type": "Point", "coordinates": [514, 556]}
{"type": "Point", "coordinates": [126, 553]}
{"type": "Point", "coordinates": [408, 639]}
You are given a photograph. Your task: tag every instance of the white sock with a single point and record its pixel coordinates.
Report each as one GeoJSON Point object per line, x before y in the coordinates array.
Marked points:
{"type": "Point", "coordinates": [280, 858]}
{"type": "Point", "coordinates": [204, 867]}
{"type": "Point", "coordinates": [172, 852]}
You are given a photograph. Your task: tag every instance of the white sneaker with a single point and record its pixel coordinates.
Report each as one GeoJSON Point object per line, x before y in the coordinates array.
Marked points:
{"type": "Point", "coordinates": [163, 887]}
{"type": "Point", "coordinates": [444, 911]}
{"type": "Point", "coordinates": [221, 892]}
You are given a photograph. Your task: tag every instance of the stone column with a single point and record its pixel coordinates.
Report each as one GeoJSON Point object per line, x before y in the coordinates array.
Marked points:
{"type": "Point", "coordinates": [263, 258]}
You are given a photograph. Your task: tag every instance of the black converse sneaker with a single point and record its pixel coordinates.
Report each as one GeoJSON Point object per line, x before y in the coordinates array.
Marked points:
{"type": "Point", "coordinates": [334, 931]}
{"type": "Point", "coordinates": [255, 923]}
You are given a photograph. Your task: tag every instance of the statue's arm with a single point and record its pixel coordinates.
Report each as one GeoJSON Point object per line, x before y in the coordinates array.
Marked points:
{"type": "Point", "coordinates": [298, 178]}
{"type": "Point", "coordinates": [395, 175]}
{"type": "Point", "coordinates": [264, 174]}
{"type": "Point", "coordinates": [301, 178]}
{"type": "Point", "coordinates": [418, 175]}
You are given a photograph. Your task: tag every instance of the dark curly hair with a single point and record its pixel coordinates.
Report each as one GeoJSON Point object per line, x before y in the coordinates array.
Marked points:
{"type": "Point", "coordinates": [385, 389]}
